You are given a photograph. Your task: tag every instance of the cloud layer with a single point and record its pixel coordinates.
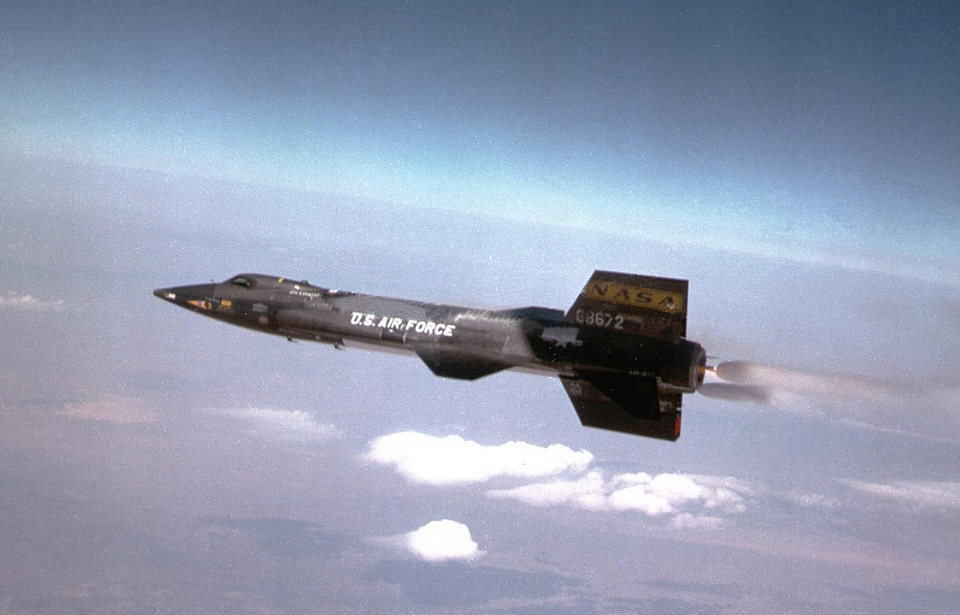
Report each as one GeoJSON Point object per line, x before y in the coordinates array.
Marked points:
{"type": "Point", "coordinates": [663, 494]}
{"type": "Point", "coordinates": [286, 424]}
{"type": "Point", "coordinates": [925, 494]}
{"type": "Point", "coordinates": [451, 460]}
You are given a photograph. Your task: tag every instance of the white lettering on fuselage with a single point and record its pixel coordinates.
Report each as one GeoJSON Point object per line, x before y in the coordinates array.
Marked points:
{"type": "Point", "coordinates": [427, 327]}
{"type": "Point", "coordinates": [308, 294]}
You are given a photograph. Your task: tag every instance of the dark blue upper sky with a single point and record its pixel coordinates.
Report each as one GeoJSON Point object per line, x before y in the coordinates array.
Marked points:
{"type": "Point", "coordinates": [817, 129]}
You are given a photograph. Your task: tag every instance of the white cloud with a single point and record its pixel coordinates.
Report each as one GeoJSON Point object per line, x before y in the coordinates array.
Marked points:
{"type": "Point", "coordinates": [651, 495]}
{"type": "Point", "coordinates": [288, 424]}
{"type": "Point", "coordinates": [922, 494]}
{"type": "Point", "coordinates": [586, 492]}
{"type": "Point", "coordinates": [565, 478]}
{"type": "Point", "coordinates": [687, 521]}
{"type": "Point", "coordinates": [811, 500]}
{"type": "Point", "coordinates": [723, 492]}
{"type": "Point", "coordinates": [30, 304]}
{"type": "Point", "coordinates": [421, 458]}
{"type": "Point", "coordinates": [442, 540]}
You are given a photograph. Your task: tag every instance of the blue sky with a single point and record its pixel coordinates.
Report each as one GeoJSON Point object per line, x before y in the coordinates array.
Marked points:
{"type": "Point", "coordinates": [796, 163]}
{"type": "Point", "coordinates": [809, 129]}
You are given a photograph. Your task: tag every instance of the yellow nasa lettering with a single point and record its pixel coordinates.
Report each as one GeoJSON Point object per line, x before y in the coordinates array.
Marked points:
{"type": "Point", "coordinates": [638, 296]}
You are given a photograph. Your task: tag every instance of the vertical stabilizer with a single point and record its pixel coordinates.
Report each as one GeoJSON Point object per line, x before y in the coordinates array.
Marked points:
{"type": "Point", "coordinates": [648, 305]}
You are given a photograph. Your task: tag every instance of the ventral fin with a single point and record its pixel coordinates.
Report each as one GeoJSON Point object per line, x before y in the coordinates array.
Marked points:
{"type": "Point", "coordinates": [452, 363]}
{"type": "Point", "coordinates": [642, 415]}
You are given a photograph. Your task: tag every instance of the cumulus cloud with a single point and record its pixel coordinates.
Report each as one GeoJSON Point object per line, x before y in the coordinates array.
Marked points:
{"type": "Point", "coordinates": [925, 494]}
{"type": "Point", "coordinates": [653, 496]}
{"type": "Point", "coordinates": [28, 303]}
{"type": "Point", "coordinates": [421, 458]}
{"type": "Point", "coordinates": [440, 541]}
{"type": "Point", "coordinates": [559, 476]}
{"type": "Point", "coordinates": [286, 424]}
{"type": "Point", "coordinates": [111, 410]}
{"type": "Point", "coordinates": [585, 492]}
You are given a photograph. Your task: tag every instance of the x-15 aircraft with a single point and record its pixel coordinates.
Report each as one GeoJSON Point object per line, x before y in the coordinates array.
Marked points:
{"type": "Point", "coordinates": [620, 350]}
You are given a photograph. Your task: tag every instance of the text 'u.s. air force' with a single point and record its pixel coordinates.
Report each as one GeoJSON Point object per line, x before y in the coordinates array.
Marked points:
{"type": "Point", "coordinates": [393, 323]}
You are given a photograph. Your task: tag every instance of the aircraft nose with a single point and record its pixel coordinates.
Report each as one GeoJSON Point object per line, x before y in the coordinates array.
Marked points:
{"type": "Point", "coordinates": [165, 293]}
{"type": "Point", "coordinates": [195, 295]}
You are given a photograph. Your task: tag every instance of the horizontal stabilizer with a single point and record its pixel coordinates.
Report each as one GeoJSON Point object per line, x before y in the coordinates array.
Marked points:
{"type": "Point", "coordinates": [454, 363]}
{"type": "Point", "coordinates": [648, 305]}
{"type": "Point", "coordinates": [648, 413]}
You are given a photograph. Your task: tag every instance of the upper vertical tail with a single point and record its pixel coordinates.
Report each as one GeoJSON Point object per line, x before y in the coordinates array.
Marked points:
{"type": "Point", "coordinates": [648, 305]}
{"type": "Point", "coordinates": [642, 404]}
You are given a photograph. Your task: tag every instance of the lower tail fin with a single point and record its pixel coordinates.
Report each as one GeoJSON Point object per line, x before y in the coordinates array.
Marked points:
{"type": "Point", "coordinates": [626, 404]}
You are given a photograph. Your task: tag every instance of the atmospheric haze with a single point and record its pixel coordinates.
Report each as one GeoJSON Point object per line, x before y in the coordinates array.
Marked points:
{"type": "Point", "coordinates": [796, 163]}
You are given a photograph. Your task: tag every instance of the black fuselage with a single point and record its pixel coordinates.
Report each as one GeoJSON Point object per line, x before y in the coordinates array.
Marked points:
{"type": "Point", "coordinates": [604, 367]}
{"type": "Point", "coordinates": [454, 341]}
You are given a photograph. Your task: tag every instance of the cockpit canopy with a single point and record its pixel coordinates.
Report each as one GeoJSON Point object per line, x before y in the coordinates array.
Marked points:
{"type": "Point", "coordinates": [259, 281]}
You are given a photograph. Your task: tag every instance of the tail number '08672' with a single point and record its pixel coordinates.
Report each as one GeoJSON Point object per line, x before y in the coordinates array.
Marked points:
{"type": "Point", "coordinates": [599, 319]}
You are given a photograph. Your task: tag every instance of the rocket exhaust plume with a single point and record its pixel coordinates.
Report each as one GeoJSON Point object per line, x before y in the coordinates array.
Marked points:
{"type": "Point", "coordinates": [738, 372]}
{"type": "Point", "coordinates": [774, 380]}
{"type": "Point", "coordinates": [735, 392]}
